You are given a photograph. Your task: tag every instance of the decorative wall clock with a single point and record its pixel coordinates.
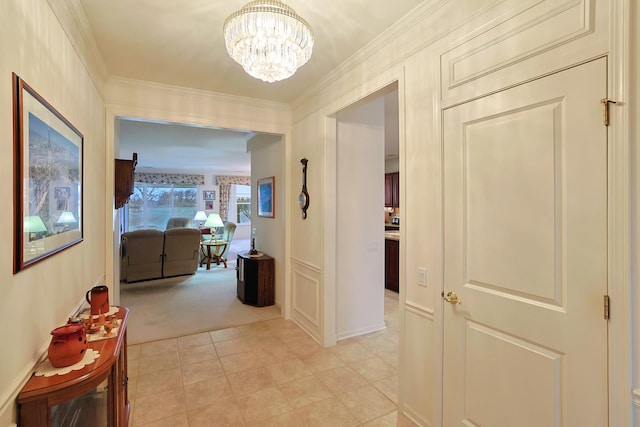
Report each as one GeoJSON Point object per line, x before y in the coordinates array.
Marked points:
{"type": "Point", "coordinates": [303, 199]}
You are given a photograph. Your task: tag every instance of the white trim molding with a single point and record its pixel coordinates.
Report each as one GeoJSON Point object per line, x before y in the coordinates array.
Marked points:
{"type": "Point", "coordinates": [620, 231]}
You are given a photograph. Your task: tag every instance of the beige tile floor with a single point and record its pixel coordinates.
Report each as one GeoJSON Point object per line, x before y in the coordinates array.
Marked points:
{"type": "Point", "coordinates": [267, 374]}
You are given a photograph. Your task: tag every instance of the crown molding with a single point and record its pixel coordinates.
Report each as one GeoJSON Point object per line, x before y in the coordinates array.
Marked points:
{"type": "Point", "coordinates": [404, 24]}
{"type": "Point", "coordinates": [73, 20]}
{"type": "Point", "coordinates": [115, 82]}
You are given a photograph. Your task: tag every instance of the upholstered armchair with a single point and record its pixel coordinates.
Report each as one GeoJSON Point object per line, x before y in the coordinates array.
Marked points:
{"type": "Point", "coordinates": [227, 234]}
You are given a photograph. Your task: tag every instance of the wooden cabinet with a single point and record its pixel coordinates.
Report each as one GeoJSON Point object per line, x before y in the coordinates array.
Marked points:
{"type": "Point", "coordinates": [95, 395]}
{"type": "Point", "coordinates": [392, 265]}
{"type": "Point", "coordinates": [256, 279]}
{"type": "Point", "coordinates": [392, 190]}
{"type": "Point", "coordinates": [124, 170]}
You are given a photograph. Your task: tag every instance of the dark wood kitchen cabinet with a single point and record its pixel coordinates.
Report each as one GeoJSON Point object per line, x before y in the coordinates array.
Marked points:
{"type": "Point", "coordinates": [392, 265]}
{"type": "Point", "coordinates": [392, 190]}
{"type": "Point", "coordinates": [256, 279]}
{"type": "Point", "coordinates": [124, 170]}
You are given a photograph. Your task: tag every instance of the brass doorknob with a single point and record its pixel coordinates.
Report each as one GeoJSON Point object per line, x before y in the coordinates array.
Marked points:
{"type": "Point", "coordinates": [452, 298]}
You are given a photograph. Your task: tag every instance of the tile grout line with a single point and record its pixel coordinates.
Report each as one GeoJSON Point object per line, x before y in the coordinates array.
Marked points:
{"type": "Point", "coordinates": [250, 340]}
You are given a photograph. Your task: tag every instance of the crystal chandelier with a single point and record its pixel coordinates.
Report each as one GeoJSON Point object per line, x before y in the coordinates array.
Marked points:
{"type": "Point", "coordinates": [268, 39]}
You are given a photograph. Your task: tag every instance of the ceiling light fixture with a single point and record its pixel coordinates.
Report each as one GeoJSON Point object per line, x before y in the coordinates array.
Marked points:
{"type": "Point", "coordinates": [268, 39]}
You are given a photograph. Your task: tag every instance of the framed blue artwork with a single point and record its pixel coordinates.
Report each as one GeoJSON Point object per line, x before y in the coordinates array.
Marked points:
{"type": "Point", "coordinates": [266, 197]}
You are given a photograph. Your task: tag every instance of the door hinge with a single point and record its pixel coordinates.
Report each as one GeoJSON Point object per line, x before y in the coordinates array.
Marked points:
{"type": "Point", "coordinates": [606, 307]}
{"type": "Point", "coordinates": [605, 110]}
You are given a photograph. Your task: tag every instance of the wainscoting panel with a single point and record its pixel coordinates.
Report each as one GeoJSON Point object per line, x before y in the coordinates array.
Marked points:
{"type": "Point", "coordinates": [535, 38]}
{"type": "Point", "coordinates": [306, 297]}
{"type": "Point", "coordinates": [419, 365]}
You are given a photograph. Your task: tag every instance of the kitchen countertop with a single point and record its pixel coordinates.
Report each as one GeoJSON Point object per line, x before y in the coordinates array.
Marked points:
{"type": "Point", "coordinates": [392, 235]}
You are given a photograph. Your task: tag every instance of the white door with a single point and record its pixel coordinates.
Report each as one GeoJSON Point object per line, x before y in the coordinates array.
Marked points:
{"type": "Point", "coordinates": [525, 214]}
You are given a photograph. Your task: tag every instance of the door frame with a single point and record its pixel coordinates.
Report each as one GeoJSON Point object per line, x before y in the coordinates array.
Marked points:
{"type": "Point", "coordinates": [373, 88]}
{"type": "Point", "coordinates": [619, 151]}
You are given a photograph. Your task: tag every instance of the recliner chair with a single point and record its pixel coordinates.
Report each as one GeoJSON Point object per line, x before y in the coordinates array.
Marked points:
{"type": "Point", "coordinates": [142, 255]}
{"type": "Point", "coordinates": [178, 222]}
{"type": "Point", "coordinates": [181, 251]}
{"type": "Point", "coordinates": [153, 254]}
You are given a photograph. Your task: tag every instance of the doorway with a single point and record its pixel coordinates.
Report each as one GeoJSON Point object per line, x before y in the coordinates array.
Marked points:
{"type": "Point", "coordinates": [362, 145]}
{"type": "Point", "coordinates": [211, 152]}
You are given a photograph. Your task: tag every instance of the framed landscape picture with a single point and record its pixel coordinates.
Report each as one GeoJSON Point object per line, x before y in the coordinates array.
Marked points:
{"type": "Point", "coordinates": [266, 197]}
{"type": "Point", "coordinates": [48, 152]}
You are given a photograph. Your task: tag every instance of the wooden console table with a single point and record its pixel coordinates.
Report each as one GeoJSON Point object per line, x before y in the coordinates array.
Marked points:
{"type": "Point", "coordinates": [95, 395]}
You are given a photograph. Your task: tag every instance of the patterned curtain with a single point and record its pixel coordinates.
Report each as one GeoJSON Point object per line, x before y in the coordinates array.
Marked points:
{"type": "Point", "coordinates": [225, 182]}
{"type": "Point", "coordinates": [168, 178]}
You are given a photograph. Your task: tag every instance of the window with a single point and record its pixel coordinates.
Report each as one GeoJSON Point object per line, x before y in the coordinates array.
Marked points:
{"type": "Point", "coordinates": [243, 204]}
{"type": "Point", "coordinates": [151, 205]}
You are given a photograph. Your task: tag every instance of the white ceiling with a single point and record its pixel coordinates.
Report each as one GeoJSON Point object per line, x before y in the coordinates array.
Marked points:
{"type": "Point", "coordinates": [180, 43]}
{"type": "Point", "coordinates": [175, 147]}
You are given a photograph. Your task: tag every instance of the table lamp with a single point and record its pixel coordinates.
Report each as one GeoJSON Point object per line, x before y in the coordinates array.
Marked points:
{"type": "Point", "coordinates": [66, 218]}
{"type": "Point", "coordinates": [33, 225]}
{"type": "Point", "coordinates": [201, 217]}
{"type": "Point", "coordinates": [213, 221]}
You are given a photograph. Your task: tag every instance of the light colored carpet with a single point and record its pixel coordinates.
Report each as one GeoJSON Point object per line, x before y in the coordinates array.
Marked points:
{"type": "Point", "coordinates": [173, 307]}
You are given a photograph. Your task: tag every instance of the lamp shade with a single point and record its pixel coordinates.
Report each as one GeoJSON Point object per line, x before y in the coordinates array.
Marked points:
{"type": "Point", "coordinates": [200, 216]}
{"type": "Point", "coordinates": [214, 221]}
{"type": "Point", "coordinates": [67, 218]}
{"type": "Point", "coordinates": [34, 224]}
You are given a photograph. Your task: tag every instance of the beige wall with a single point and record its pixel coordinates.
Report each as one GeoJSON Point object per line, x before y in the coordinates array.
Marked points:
{"type": "Point", "coordinates": [267, 160]}
{"type": "Point", "coordinates": [42, 297]}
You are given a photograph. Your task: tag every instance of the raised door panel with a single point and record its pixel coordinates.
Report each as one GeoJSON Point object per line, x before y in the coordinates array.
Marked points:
{"type": "Point", "coordinates": [392, 190]}
{"type": "Point", "coordinates": [533, 38]}
{"type": "Point", "coordinates": [388, 190]}
{"type": "Point", "coordinates": [392, 265]}
{"type": "Point", "coordinates": [395, 194]}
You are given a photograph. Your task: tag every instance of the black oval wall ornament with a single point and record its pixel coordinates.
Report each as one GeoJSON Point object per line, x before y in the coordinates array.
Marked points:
{"type": "Point", "coordinates": [303, 199]}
